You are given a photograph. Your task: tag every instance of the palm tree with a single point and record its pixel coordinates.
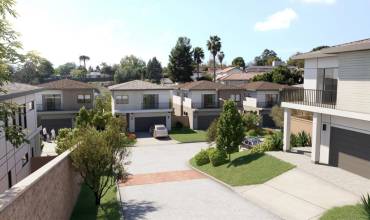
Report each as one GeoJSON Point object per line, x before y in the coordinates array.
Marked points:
{"type": "Point", "coordinates": [214, 46]}
{"type": "Point", "coordinates": [84, 58]}
{"type": "Point", "coordinates": [198, 57]}
{"type": "Point", "coordinates": [221, 57]}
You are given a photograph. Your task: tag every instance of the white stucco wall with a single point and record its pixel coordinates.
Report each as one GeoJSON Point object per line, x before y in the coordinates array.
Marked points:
{"type": "Point", "coordinates": [311, 73]}
{"type": "Point", "coordinates": [135, 98]}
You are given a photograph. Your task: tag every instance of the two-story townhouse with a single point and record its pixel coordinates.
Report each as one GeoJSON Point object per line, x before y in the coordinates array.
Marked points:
{"type": "Point", "coordinates": [143, 104]}
{"type": "Point", "coordinates": [15, 161]}
{"type": "Point", "coordinates": [337, 92]}
{"type": "Point", "coordinates": [202, 101]}
{"type": "Point", "coordinates": [60, 101]}
{"type": "Point", "coordinates": [260, 97]}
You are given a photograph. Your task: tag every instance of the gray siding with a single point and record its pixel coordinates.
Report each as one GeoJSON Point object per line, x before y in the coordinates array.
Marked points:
{"type": "Point", "coordinates": [70, 99]}
{"type": "Point", "coordinates": [354, 82]}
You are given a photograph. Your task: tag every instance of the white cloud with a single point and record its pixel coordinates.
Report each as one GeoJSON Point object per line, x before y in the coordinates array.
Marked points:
{"type": "Point", "coordinates": [326, 2]}
{"type": "Point", "coordinates": [279, 20]}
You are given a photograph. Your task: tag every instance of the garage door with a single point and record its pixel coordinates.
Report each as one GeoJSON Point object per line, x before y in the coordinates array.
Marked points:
{"type": "Point", "coordinates": [205, 121]}
{"type": "Point", "coordinates": [350, 150]}
{"type": "Point", "coordinates": [56, 124]}
{"type": "Point", "coordinates": [144, 123]}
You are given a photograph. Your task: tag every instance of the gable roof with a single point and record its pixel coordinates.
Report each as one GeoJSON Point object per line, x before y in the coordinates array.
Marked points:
{"type": "Point", "coordinates": [340, 48]}
{"type": "Point", "coordinates": [263, 86]}
{"type": "Point", "coordinates": [14, 89]}
{"type": "Point", "coordinates": [239, 76]}
{"type": "Point", "coordinates": [139, 85]}
{"type": "Point", "coordinates": [205, 85]}
{"type": "Point", "coordinates": [66, 84]}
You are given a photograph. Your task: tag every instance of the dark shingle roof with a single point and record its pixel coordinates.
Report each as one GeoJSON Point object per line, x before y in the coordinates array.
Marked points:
{"type": "Point", "coordinates": [139, 85]}
{"type": "Point", "coordinates": [66, 84]}
{"type": "Point", "coordinates": [263, 86]}
{"type": "Point", "coordinates": [14, 89]}
{"type": "Point", "coordinates": [205, 85]}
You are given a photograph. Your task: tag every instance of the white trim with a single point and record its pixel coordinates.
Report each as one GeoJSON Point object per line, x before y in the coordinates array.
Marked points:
{"type": "Point", "coordinates": [327, 111]}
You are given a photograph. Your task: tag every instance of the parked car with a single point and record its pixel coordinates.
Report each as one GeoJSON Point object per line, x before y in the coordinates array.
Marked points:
{"type": "Point", "coordinates": [159, 131]}
{"type": "Point", "coordinates": [250, 142]}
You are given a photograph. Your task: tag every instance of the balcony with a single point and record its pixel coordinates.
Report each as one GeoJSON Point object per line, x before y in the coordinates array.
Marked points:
{"type": "Point", "coordinates": [252, 102]}
{"type": "Point", "coordinates": [156, 105]}
{"type": "Point", "coordinates": [310, 97]}
{"type": "Point", "coordinates": [55, 108]}
{"type": "Point", "coordinates": [205, 105]}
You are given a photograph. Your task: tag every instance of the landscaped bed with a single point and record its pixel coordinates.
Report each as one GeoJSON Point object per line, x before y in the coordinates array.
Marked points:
{"type": "Point", "coordinates": [246, 168]}
{"type": "Point", "coordinates": [85, 207]}
{"type": "Point", "coordinates": [187, 135]}
{"type": "Point", "coordinates": [345, 213]}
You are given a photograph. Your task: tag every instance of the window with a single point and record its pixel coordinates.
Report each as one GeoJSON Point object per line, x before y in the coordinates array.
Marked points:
{"type": "Point", "coordinates": [52, 102]}
{"type": "Point", "coordinates": [24, 159]}
{"type": "Point", "coordinates": [185, 95]}
{"type": "Point", "coordinates": [209, 100]}
{"type": "Point", "coordinates": [235, 97]}
{"type": "Point", "coordinates": [10, 179]}
{"type": "Point", "coordinates": [20, 116]}
{"type": "Point", "coordinates": [150, 101]}
{"type": "Point", "coordinates": [121, 99]}
{"type": "Point", "coordinates": [31, 105]}
{"type": "Point", "coordinates": [84, 98]}
{"type": "Point", "coordinates": [24, 116]}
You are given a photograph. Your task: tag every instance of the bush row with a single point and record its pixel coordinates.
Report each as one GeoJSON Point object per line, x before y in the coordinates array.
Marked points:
{"type": "Point", "coordinates": [212, 155]}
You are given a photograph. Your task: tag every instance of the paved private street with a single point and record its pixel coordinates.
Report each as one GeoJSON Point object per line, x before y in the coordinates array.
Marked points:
{"type": "Point", "coordinates": [163, 186]}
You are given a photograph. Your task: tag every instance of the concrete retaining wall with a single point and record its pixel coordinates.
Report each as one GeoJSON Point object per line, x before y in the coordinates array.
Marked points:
{"type": "Point", "coordinates": [48, 193]}
{"type": "Point", "coordinates": [300, 124]}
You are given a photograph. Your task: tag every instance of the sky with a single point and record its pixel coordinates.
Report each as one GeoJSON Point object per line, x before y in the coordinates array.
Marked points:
{"type": "Point", "coordinates": [106, 31]}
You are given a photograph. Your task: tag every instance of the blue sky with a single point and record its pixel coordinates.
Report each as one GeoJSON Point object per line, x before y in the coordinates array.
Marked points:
{"type": "Point", "coordinates": [109, 30]}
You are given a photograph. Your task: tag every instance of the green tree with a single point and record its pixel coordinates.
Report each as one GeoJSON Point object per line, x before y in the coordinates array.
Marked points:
{"type": "Point", "coordinates": [214, 46]}
{"type": "Point", "coordinates": [230, 129]}
{"type": "Point", "coordinates": [84, 58]}
{"type": "Point", "coordinates": [239, 62]}
{"type": "Point", "coordinates": [107, 69]}
{"type": "Point", "coordinates": [180, 65]}
{"type": "Point", "coordinates": [212, 131]}
{"type": "Point", "coordinates": [251, 121]}
{"type": "Point", "coordinates": [79, 72]}
{"type": "Point", "coordinates": [281, 75]}
{"type": "Point", "coordinates": [296, 63]}
{"type": "Point", "coordinates": [130, 68]}
{"type": "Point", "coordinates": [100, 156]}
{"type": "Point", "coordinates": [9, 47]}
{"type": "Point", "coordinates": [198, 57]}
{"type": "Point", "coordinates": [277, 115]}
{"type": "Point", "coordinates": [154, 70]}
{"type": "Point", "coordinates": [65, 69]}
{"type": "Point", "coordinates": [221, 57]}
{"type": "Point", "coordinates": [266, 58]}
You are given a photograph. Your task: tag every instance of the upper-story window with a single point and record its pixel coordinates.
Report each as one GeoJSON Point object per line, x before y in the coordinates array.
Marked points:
{"type": "Point", "coordinates": [185, 94]}
{"type": "Point", "coordinates": [31, 105]}
{"type": "Point", "coordinates": [121, 99]}
{"type": "Point", "coordinates": [235, 97]}
{"type": "Point", "coordinates": [84, 98]}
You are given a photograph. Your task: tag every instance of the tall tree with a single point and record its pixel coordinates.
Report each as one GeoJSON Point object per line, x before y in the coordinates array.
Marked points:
{"type": "Point", "coordinates": [296, 63]}
{"type": "Point", "coordinates": [154, 70]}
{"type": "Point", "coordinates": [221, 57]}
{"type": "Point", "coordinates": [180, 65]}
{"type": "Point", "coordinates": [282, 75]}
{"type": "Point", "coordinates": [230, 129]}
{"type": "Point", "coordinates": [65, 69]}
{"type": "Point", "coordinates": [266, 58]}
{"type": "Point", "coordinates": [84, 58]}
{"type": "Point", "coordinates": [239, 62]}
{"type": "Point", "coordinates": [214, 46]}
{"type": "Point", "coordinates": [198, 57]}
{"type": "Point", "coordinates": [107, 69]}
{"type": "Point", "coordinates": [130, 68]}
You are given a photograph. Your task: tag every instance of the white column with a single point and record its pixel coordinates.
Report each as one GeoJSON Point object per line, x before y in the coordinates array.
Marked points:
{"type": "Point", "coordinates": [316, 137]}
{"type": "Point", "coordinates": [287, 121]}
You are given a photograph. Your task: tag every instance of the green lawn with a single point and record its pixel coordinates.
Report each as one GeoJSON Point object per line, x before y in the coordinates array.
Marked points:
{"type": "Point", "coordinates": [246, 169]}
{"type": "Point", "coordinates": [85, 207]}
{"type": "Point", "coordinates": [348, 212]}
{"type": "Point", "coordinates": [187, 135]}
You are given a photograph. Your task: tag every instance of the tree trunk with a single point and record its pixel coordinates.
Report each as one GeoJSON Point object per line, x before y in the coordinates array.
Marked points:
{"type": "Point", "coordinates": [214, 68]}
{"type": "Point", "coordinates": [97, 199]}
{"type": "Point", "coordinates": [198, 70]}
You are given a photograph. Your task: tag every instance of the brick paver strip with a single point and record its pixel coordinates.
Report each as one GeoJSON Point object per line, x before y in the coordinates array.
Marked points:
{"type": "Point", "coordinates": [151, 178]}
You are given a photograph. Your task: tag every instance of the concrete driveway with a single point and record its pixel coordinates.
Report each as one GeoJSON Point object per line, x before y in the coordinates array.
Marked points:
{"type": "Point", "coordinates": [164, 187]}
{"type": "Point", "coordinates": [145, 139]}
{"type": "Point", "coordinates": [307, 191]}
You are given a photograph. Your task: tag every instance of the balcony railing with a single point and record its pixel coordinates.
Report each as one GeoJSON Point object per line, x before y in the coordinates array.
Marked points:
{"type": "Point", "coordinates": [319, 98]}
{"type": "Point", "coordinates": [252, 102]}
{"type": "Point", "coordinates": [164, 105]}
{"type": "Point", "coordinates": [55, 108]}
{"type": "Point", "coordinates": [204, 105]}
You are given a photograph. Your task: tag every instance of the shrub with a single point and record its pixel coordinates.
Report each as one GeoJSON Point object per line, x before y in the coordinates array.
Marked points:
{"type": "Point", "coordinates": [277, 115]}
{"type": "Point", "coordinates": [252, 133]}
{"type": "Point", "coordinates": [366, 204]}
{"type": "Point", "coordinates": [212, 132]}
{"type": "Point", "coordinates": [217, 157]}
{"type": "Point", "coordinates": [251, 120]}
{"type": "Point", "coordinates": [271, 143]}
{"type": "Point", "coordinates": [303, 139]}
{"type": "Point", "coordinates": [293, 140]}
{"type": "Point", "coordinates": [201, 158]}
{"type": "Point", "coordinates": [131, 136]}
